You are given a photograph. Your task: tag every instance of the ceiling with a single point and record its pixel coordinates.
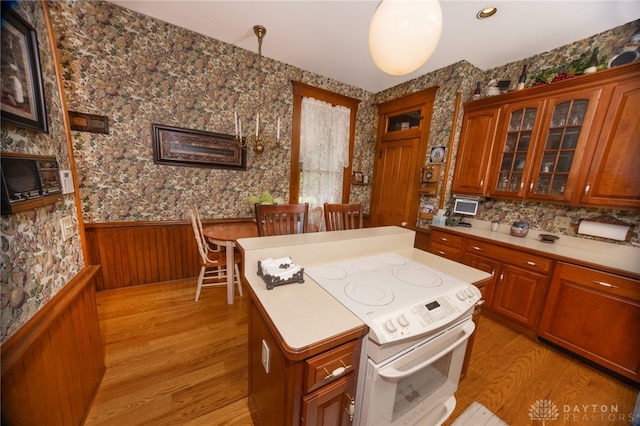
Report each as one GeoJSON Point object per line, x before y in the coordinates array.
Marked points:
{"type": "Point", "coordinates": [329, 37]}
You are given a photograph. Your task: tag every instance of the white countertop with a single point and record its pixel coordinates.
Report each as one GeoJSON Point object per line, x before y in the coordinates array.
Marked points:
{"type": "Point", "coordinates": [305, 314]}
{"type": "Point", "coordinates": [616, 256]}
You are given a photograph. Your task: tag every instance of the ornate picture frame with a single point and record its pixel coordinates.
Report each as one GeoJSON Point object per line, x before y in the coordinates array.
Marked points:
{"type": "Point", "coordinates": [177, 146]}
{"type": "Point", "coordinates": [22, 100]}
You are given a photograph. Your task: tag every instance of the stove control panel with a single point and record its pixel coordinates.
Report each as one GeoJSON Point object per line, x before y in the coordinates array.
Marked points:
{"type": "Point", "coordinates": [425, 316]}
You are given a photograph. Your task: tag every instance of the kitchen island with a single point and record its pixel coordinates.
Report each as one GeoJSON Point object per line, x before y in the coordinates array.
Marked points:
{"type": "Point", "coordinates": [305, 346]}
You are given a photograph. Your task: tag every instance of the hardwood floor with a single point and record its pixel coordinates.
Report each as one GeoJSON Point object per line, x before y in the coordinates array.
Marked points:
{"type": "Point", "coordinates": [173, 361]}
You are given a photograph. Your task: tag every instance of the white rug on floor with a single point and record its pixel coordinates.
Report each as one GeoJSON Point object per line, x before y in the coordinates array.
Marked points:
{"type": "Point", "coordinates": [478, 415]}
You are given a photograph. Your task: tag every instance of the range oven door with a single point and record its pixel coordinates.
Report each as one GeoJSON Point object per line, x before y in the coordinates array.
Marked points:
{"type": "Point", "coordinates": [417, 386]}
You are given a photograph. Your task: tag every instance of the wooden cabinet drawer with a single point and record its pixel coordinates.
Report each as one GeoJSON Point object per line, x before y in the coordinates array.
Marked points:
{"type": "Point", "coordinates": [451, 253]}
{"type": "Point", "coordinates": [331, 365]}
{"type": "Point", "coordinates": [446, 239]}
{"type": "Point", "coordinates": [514, 257]}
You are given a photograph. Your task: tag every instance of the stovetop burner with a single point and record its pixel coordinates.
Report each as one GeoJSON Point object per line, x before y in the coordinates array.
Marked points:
{"type": "Point", "coordinates": [395, 296]}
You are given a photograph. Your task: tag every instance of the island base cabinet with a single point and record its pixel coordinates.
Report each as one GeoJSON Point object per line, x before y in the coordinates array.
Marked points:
{"type": "Point", "coordinates": [595, 315]}
{"type": "Point", "coordinates": [316, 387]}
{"type": "Point", "coordinates": [333, 405]}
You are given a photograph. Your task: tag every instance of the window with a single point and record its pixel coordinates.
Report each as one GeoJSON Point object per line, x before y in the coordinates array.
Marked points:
{"type": "Point", "coordinates": [317, 173]}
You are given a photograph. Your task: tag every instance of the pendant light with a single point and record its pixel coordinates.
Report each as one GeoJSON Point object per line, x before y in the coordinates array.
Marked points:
{"type": "Point", "coordinates": [404, 33]}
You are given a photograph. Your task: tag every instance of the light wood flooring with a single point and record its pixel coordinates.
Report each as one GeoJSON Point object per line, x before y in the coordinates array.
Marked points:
{"type": "Point", "coordinates": [173, 361]}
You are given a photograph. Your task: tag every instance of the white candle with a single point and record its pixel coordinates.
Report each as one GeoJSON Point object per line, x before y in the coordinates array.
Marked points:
{"type": "Point", "coordinates": [257, 122]}
{"type": "Point", "coordinates": [235, 121]}
{"type": "Point", "coordinates": [240, 125]}
{"type": "Point", "coordinates": [278, 131]}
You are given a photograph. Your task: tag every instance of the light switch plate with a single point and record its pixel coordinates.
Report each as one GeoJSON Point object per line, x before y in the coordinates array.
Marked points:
{"type": "Point", "coordinates": [66, 226]}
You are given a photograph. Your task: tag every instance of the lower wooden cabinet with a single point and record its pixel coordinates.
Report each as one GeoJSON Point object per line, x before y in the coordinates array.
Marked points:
{"type": "Point", "coordinates": [518, 294]}
{"type": "Point", "coordinates": [446, 245]}
{"type": "Point", "coordinates": [332, 405]}
{"type": "Point", "coordinates": [595, 315]}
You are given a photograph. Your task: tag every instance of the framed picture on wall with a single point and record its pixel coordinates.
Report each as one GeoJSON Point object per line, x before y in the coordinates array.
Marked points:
{"type": "Point", "coordinates": [22, 91]}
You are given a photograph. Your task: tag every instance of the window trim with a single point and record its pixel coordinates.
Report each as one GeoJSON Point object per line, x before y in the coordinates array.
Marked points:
{"type": "Point", "coordinates": [301, 90]}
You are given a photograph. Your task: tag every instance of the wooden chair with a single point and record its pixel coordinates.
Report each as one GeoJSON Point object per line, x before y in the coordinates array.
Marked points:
{"type": "Point", "coordinates": [338, 217]}
{"type": "Point", "coordinates": [315, 219]}
{"type": "Point", "coordinates": [213, 261]}
{"type": "Point", "coordinates": [282, 219]}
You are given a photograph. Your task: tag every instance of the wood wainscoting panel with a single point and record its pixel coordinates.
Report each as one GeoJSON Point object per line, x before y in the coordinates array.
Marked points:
{"type": "Point", "coordinates": [52, 366]}
{"type": "Point", "coordinates": [138, 253]}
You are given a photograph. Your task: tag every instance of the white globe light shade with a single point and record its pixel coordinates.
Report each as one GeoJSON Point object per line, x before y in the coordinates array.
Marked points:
{"type": "Point", "coordinates": [404, 33]}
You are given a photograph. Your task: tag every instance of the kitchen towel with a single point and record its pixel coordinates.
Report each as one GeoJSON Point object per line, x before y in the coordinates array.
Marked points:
{"type": "Point", "coordinates": [605, 230]}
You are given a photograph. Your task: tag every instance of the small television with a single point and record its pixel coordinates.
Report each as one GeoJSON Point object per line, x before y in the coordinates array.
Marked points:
{"type": "Point", "coordinates": [465, 206]}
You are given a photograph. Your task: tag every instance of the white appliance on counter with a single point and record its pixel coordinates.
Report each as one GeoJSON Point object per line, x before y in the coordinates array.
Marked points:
{"type": "Point", "coordinates": [419, 321]}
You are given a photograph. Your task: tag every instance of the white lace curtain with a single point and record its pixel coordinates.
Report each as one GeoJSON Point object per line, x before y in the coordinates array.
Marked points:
{"type": "Point", "coordinates": [324, 151]}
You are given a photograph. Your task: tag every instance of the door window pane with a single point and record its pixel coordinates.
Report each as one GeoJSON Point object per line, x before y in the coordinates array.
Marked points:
{"type": "Point", "coordinates": [405, 121]}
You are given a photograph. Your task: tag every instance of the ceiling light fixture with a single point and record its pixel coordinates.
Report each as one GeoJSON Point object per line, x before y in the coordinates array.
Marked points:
{"type": "Point", "coordinates": [486, 12]}
{"type": "Point", "coordinates": [258, 140]}
{"type": "Point", "coordinates": [403, 34]}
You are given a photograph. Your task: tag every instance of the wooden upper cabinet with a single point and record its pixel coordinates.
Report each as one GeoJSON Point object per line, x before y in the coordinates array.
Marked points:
{"type": "Point", "coordinates": [575, 142]}
{"type": "Point", "coordinates": [567, 126]}
{"type": "Point", "coordinates": [474, 151]}
{"type": "Point", "coordinates": [613, 178]}
{"type": "Point", "coordinates": [511, 166]}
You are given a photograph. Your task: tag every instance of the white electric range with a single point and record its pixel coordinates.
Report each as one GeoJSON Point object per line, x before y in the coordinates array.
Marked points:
{"type": "Point", "coordinates": [419, 321]}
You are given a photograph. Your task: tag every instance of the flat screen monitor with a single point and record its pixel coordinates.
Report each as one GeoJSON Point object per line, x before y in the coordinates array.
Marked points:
{"type": "Point", "coordinates": [464, 206]}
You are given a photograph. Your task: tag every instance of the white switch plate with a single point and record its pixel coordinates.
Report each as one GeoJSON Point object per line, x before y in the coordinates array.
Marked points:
{"type": "Point", "coordinates": [562, 222]}
{"type": "Point", "coordinates": [265, 356]}
{"type": "Point", "coordinates": [66, 225]}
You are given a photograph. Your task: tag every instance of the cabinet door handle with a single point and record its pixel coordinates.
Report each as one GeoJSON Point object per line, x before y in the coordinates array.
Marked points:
{"type": "Point", "coordinates": [481, 183]}
{"type": "Point", "coordinates": [521, 185]}
{"type": "Point", "coordinates": [605, 284]}
{"type": "Point", "coordinates": [337, 372]}
{"type": "Point", "coordinates": [501, 276]}
{"type": "Point", "coordinates": [440, 252]}
{"type": "Point", "coordinates": [493, 272]}
{"type": "Point", "coordinates": [476, 248]}
{"type": "Point", "coordinates": [586, 188]}
{"type": "Point", "coordinates": [531, 186]}
{"type": "Point", "coordinates": [443, 239]}
{"type": "Point", "coordinates": [351, 408]}
{"type": "Point", "coordinates": [530, 263]}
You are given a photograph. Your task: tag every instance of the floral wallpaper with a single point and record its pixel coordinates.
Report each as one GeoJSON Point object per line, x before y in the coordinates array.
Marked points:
{"type": "Point", "coordinates": [35, 261]}
{"type": "Point", "coordinates": [137, 70]}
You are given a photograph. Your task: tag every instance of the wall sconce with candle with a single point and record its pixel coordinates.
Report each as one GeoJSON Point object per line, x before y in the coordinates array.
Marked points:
{"type": "Point", "coordinates": [259, 140]}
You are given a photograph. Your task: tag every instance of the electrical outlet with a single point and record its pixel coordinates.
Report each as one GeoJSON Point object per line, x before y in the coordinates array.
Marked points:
{"type": "Point", "coordinates": [561, 222]}
{"type": "Point", "coordinates": [265, 356]}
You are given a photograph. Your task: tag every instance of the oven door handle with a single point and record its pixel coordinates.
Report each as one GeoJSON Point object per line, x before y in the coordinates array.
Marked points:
{"type": "Point", "coordinates": [392, 373]}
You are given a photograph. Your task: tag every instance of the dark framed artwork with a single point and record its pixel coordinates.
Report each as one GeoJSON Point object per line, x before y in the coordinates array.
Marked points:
{"type": "Point", "coordinates": [22, 91]}
{"type": "Point", "coordinates": [194, 148]}
{"type": "Point", "coordinates": [84, 122]}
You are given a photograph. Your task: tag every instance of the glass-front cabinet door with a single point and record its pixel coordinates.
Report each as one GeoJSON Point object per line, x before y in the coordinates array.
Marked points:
{"type": "Point", "coordinates": [564, 132]}
{"type": "Point", "coordinates": [516, 149]}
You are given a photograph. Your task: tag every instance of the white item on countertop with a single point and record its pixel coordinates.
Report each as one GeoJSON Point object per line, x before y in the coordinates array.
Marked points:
{"type": "Point", "coordinates": [605, 230]}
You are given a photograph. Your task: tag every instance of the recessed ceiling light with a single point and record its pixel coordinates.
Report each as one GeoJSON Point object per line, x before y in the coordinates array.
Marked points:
{"type": "Point", "coordinates": [486, 12]}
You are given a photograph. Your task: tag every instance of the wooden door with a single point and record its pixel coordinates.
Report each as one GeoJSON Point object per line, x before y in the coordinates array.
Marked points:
{"type": "Point", "coordinates": [403, 134]}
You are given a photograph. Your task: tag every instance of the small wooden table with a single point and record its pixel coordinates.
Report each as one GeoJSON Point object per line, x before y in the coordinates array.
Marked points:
{"type": "Point", "coordinates": [226, 234]}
